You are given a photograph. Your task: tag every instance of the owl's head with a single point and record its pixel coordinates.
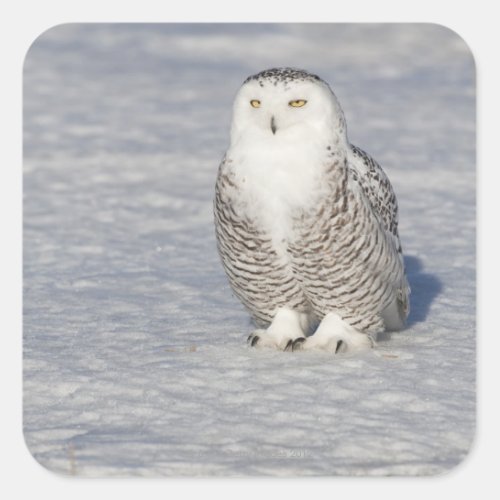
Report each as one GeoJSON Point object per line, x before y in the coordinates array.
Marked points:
{"type": "Point", "coordinates": [289, 104]}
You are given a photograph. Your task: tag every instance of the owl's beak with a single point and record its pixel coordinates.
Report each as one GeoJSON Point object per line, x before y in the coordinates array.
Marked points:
{"type": "Point", "coordinates": [273, 125]}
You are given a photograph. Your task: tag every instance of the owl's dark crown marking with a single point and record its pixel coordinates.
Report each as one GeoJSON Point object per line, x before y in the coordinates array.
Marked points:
{"type": "Point", "coordinates": [282, 75]}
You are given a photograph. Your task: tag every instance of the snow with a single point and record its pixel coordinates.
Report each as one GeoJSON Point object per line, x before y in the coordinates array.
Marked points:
{"type": "Point", "coordinates": [135, 360]}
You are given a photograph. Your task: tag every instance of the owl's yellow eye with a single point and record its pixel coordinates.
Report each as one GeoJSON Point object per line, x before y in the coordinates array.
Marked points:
{"type": "Point", "coordinates": [297, 103]}
{"type": "Point", "coordinates": [255, 103]}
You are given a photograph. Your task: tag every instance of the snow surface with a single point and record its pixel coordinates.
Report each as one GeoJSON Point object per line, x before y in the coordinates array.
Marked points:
{"type": "Point", "coordinates": [135, 356]}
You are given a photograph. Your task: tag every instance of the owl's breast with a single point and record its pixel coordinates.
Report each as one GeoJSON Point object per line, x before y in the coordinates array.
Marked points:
{"type": "Point", "coordinates": [274, 185]}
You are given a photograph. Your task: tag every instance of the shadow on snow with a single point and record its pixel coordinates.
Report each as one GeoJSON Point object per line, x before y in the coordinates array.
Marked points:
{"type": "Point", "coordinates": [424, 289]}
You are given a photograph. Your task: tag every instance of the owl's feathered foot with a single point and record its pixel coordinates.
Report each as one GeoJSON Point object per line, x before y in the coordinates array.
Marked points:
{"type": "Point", "coordinates": [333, 335]}
{"type": "Point", "coordinates": [287, 326]}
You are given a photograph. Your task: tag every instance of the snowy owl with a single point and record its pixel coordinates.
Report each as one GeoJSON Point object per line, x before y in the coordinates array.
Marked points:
{"type": "Point", "coordinates": [307, 223]}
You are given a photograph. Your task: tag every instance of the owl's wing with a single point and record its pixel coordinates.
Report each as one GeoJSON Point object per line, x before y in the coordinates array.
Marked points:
{"type": "Point", "coordinates": [375, 184]}
{"type": "Point", "coordinates": [376, 187]}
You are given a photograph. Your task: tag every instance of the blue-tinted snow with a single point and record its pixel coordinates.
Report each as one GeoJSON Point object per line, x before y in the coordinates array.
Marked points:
{"type": "Point", "coordinates": [135, 360]}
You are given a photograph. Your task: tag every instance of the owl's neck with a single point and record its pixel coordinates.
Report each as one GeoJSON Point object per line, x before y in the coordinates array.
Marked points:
{"type": "Point", "coordinates": [297, 156]}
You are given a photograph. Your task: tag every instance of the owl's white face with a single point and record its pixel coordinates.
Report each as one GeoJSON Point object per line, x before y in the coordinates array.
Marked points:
{"type": "Point", "coordinates": [283, 111]}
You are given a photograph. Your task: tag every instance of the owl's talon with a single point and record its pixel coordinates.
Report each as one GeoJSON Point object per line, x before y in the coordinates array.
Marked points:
{"type": "Point", "coordinates": [341, 345]}
{"type": "Point", "coordinates": [297, 343]}
{"type": "Point", "coordinates": [289, 345]}
{"type": "Point", "coordinates": [254, 341]}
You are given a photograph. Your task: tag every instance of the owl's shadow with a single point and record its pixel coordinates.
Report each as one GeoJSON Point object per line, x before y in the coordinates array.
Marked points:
{"type": "Point", "coordinates": [425, 288]}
